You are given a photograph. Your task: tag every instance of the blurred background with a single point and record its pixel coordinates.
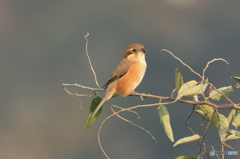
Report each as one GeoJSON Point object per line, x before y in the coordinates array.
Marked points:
{"type": "Point", "coordinates": [42, 46]}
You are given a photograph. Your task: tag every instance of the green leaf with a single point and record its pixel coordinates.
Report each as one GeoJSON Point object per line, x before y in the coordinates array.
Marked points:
{"type": "Point", "coordinates": [231, 115]}
{"type": "Point", "coordinates": [209, 111]}
{"type": "Point", "coordinates": [234, 132]}
{"type": "Point", "coordinates": [185, 157]}
{"type": "Point", "coordinates": [185, 87]}
{"type": "Point", "coordinates": [217, 96]}
{"type": "Point", "coordinates": [202, 114]}
{"type": "Point", "coordinates": [192, 91]}
{"type": "Point", "coordinates": [178, 79]}
{"type": "Point", "coordinates": [204, 86]}
{"type": "Point", "coordinates": [224, 126]}
{"type": "Point", "coordinates": [114, 95]}
{"type": "Point", "coordinates": [219, 120]}
{"type": "Point", "coordinates": [187, 139]}
{"type": "Point", "coordinates": [236, 121]}
{"type": "Point", "coordinates": [93, 106]}
{"type": "Point", "coordinates": [232, 137]}
{"type": "Point", "coordinates": [236, 78]}
{"type": "Point", "coordinates": [165, 120]}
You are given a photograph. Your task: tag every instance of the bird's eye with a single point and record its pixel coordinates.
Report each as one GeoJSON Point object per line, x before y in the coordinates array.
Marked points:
{"type": "Point", "coordinates": [134, 50]}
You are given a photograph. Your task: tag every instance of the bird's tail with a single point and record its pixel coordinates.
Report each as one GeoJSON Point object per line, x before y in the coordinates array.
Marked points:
{"type": "Point", "coordinates": [108, 95]}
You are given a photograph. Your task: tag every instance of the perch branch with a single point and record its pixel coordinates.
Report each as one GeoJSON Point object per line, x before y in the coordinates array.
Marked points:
{"type": "Point", "coordinates": [225, 106]}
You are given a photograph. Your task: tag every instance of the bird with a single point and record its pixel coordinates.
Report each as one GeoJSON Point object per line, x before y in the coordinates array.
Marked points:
{"type": "Point", "coordinates": [127, 76]}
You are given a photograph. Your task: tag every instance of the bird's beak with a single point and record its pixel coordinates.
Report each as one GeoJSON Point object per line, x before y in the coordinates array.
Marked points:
{"type": "Point", "coordinates": [143, 51]}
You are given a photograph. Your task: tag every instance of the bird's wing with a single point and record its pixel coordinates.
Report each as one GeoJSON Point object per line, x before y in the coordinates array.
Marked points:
{"type": "Point", "coordinates": [120, 71]}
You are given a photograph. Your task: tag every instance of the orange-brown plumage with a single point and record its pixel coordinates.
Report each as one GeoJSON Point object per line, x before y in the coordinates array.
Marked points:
{"type": "Point", "coordinates": [131, 80]}
{"type": "Point", "coordinates": [127, 76]}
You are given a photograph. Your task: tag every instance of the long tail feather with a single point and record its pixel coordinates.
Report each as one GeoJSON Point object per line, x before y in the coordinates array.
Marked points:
{"type": "Point", "coordinates": [108, 95]}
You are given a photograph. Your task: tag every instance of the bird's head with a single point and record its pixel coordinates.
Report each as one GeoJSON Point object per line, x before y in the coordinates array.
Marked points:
{"type": "Point", "coordinates": [135, 52]}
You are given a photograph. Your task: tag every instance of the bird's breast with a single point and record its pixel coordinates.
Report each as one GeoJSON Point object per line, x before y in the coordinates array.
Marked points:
{"type": "Point", "coordinates": [132, 79]}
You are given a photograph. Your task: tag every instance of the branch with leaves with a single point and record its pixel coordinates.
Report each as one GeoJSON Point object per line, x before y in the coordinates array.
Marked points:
{"type": "Point", "coordinates": [189, 93]}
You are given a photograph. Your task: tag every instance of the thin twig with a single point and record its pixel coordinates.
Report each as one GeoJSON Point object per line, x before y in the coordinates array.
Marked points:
{"type": "Point", "coordinates": [116, 113]}
{"type": "Point", "coordinates": [83, 87]}
{"type": "Point", "coordinates": [200, 128]}
{"type": "Point", "coordinates": [128, 110]}
{"type": "Point", "coordinates": [186, 121]}
{"type": "Point", "coordinates": [210, 121]}
{"type": "Point", "coordinates": [128, 121]}
{"type": "Point", "coordinates": [209, 62]}
{"type": "Point", "coordinates": [230, 147]}
{"type": "Point", "coordinates": [182, 62]}
{"type": "Point", "coordinates": [76, 94]}
{"type": "Point", "coordinates": [222, 151]}
{"type": "Point", "coordinates": [215, 153]}
{"type": "Point", "coordinates": [89, 60]}
{"type": "Point", "coordinates": [204, 150]}
{"type": "Point", "coordinates": [99, 131]}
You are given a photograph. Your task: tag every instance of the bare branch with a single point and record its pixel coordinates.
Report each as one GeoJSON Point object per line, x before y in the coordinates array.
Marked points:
{"type": "Point", "coordinates": [200, 128]}
{"type": "Point", "coordinates": [225, 106]}
{"type": "Point", "coordinates": [76, 94]}
{"type": "Point", "coordinates": [128, 121]}
{"type": "Point", "coordinates": [116, 113]}
{"type": "Point", "coordinates": [215, 154]}
{"type": "Point", "coordinates": [128, 110]}
{"type": "Point", "coordinates": [81, 86]}
{"type": "Point", "coordinates": [222, 151]}
{"type": "Point", "coordinates": [209, 62]}
{"type": "Point", "coordinates": [230, 147]}
{"type": "Point", "coordinates": [99, 131]}
{"type": "Point", "coordinates": [205, 133]}
{"type": "Point", "coordinates": [182, 62]}
{"type": "Point", "coordinates": [186, 121]}
{"type": "Point", "coordinates": [151, 96]}
{"type": "Point", "coordinates": [94, 74]}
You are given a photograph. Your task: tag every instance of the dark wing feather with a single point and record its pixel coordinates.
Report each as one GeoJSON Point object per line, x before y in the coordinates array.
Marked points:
{"type": "Point", "coordinates": [112, 79]}
{"type": "Point", "coordinates": [120, 71]}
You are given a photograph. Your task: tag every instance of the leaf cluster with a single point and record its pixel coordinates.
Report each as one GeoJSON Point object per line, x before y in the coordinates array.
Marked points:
{"type": "Point", "coordinates": [193, 89]}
